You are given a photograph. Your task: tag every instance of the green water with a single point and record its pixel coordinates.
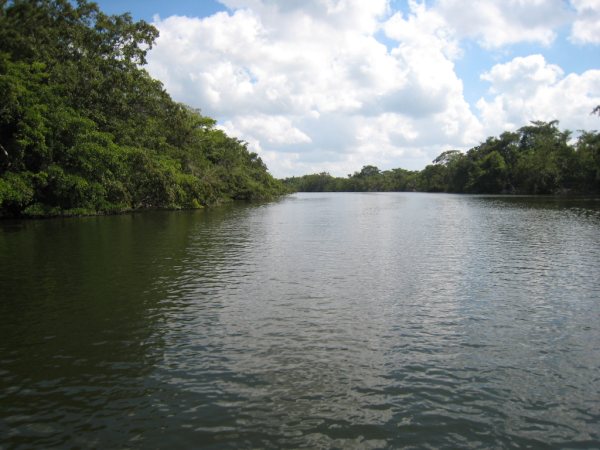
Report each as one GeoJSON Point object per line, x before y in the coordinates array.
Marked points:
{"type": "Point", "coordinates": [322, 321]}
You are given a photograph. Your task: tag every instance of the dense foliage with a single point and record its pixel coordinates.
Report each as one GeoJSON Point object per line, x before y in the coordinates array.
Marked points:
{"type": "Point", "coordinates": [536, 159]}
{"type": "Point", "coordinates": [84, 128]}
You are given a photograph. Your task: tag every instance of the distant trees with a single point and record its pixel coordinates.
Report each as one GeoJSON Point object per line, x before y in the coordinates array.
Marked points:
{"type": "Point", "coordinates": [84, 129]}
{"type": "Point", "coordinates": [369, 179]}
{"type": "Point", "coordinates": [536, 159]}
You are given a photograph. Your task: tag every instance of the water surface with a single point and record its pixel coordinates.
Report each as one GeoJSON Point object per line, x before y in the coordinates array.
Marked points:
{"type": "Point", "coordinates": [322, 321]}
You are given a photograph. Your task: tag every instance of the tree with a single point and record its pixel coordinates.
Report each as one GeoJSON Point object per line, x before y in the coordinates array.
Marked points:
{"type": "Point", "coordinates": [447, 157]}
{"type": "Point", "coordinates": [544, 163]}
{"type": "Point", "coordinates": [588, 161]}
{"type": "Point", "coordinates": [432, 178]}
{"type": "Point", "coordinates": [489, 174]}
{"type": "Point", "coordinates": [85, 129]}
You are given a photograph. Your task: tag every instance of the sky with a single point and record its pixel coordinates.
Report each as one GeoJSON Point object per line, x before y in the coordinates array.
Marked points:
{"type": "Point", "coordinates": [333, 85]}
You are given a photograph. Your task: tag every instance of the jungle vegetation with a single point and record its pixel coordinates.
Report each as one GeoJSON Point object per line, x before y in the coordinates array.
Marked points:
{"type": "Point", "coordinates": [84, 129]}
{"type": "Point", "coordinates": [536, 159]}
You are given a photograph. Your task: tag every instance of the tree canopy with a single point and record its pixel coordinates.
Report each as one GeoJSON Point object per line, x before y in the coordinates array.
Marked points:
{"type": "Point", "coordinates": [84, 129]}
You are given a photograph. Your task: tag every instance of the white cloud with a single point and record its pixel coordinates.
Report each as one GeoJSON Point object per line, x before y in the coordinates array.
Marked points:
{"type": "Point", "coordinates": [529, 89]}
{"type": "Point", "coordinates": [522, 76]}
{"type": "Point", "coordinates": [357, 15]}
{"type": "Point", "coordinates": [496, 23]}
{"type": "Point", "coordinates": [586, 28]}
{"type": "Point", "coordinates": [272, 130]}
{"type": "Point", "coordinates": [424, 29]}
{"type": "Point", "coordinates": [332, 85]}
{"type": "Point", "coordinates": [301, 79]}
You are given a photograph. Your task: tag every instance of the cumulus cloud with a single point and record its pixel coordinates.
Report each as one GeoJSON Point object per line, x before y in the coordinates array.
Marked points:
{"type": "Point", "coordinates": [301, 77]}
{"type": "Point", "coordinates": [586, 28]}
{"type": "Point", "coordinates": [356, 15]}
{"type": "Point", "coordinates": [495, 23]}
{"type": "Point", "coordinates": [529, 88]}
{"type": "Point", "coordinates": [272, 130]}
{"type": "Point", "coordinates": [522, 76]}
{"type": "Point", "coordinates": [332, 85]}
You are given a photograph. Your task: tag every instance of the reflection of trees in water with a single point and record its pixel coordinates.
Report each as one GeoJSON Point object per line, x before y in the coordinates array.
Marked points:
{"type": "Point", "coordinates": [81, 317]}
{"type": "Point", "coordinates": [590, 205]}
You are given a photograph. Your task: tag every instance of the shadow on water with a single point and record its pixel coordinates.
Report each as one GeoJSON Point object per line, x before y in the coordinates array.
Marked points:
{"type": "Point", "coordinates": [83, 309]}
{"type": "Point", "coordinates": [588, 203]}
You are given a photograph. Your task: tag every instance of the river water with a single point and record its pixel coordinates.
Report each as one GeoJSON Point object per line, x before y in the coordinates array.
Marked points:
{"type": "Point", "coordinates": [387, 320]}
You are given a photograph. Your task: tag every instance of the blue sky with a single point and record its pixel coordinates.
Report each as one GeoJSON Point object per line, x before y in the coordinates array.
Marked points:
{"type": "Point", "coordinates": [147, 9]}
{"type": "Point", "coordinates": [331, 85]}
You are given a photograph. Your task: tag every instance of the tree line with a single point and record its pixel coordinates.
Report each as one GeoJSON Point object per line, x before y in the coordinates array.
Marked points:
{"type": "Point", "coordinates": [536, 159]}
{"type": "Point", "coordinates": [84, 129]}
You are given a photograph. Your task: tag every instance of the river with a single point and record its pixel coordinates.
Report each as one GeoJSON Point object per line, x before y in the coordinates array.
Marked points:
{"type": "Point", "coordinates": [373, 320]}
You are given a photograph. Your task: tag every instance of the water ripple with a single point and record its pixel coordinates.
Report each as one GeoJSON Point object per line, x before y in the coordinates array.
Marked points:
{"type": "Point", "coordinates": [320, 321]}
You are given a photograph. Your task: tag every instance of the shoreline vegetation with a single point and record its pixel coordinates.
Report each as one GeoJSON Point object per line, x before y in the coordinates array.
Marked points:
{"type": "Point", "coordinates": [85, 130]}
{"type": "Point", "coordinates": [537, 159]}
